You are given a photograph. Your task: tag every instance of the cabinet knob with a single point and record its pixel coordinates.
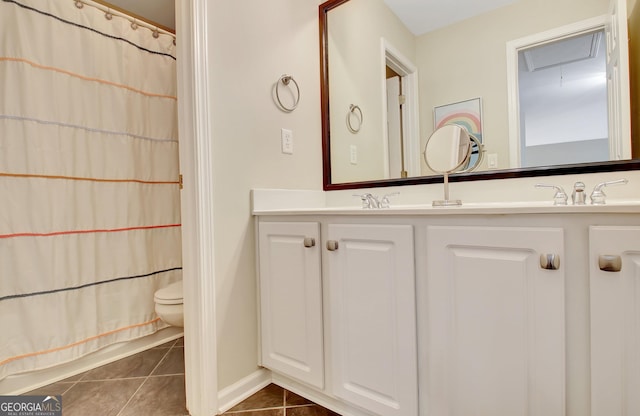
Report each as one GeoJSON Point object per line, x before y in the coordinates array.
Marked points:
{"type": "Point", "coordinates": [550, 261]}
{"type": "Point", "coordinates": [609, 263]}
{"type": "Point", "coordinates": [332, 245]}
{"type": "Point", "coordinates": [309, 242]}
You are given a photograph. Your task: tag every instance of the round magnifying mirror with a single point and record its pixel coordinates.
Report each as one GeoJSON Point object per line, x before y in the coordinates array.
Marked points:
{"type": "Point", "coordinates": [448, 150]}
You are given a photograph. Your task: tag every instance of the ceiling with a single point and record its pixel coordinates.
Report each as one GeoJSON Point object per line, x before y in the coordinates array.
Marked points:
{"type": "Point", "coordinates": [422, 16]}
{"type": "Point", "coordinates": [158, 11]}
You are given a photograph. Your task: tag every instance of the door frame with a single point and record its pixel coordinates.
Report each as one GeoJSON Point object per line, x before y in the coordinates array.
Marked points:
{"type": "Point", "coordinates": [197, 206]}
{"type": "Point", "coordinates": [394, 59]}
{"type": "Point", "coordinates": [513, 47]}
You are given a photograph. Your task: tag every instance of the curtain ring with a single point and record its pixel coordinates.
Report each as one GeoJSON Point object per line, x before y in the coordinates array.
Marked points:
{"type": "Point", "coordinates": [134, 25]}
{"type": "Point", "coordinates": [79, 4]}
{"type": "Point", "coordinates": [352, 112]}
{"type": "Point", "coordinates": [156, 33]}
{"type": "Point", "coordinates": [286, 79]}
{"type": "Point", "coordinates": [108, 15]}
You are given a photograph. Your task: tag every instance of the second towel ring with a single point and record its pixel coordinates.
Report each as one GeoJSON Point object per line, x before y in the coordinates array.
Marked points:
{"type": "Point", "coordinates": [352, 111]}
{"type": "Point", "coordinates": [286, 80]}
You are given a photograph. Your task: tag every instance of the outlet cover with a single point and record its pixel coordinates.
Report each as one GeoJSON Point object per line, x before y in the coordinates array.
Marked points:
{"type": "Point", "coordinates": [492, 160]}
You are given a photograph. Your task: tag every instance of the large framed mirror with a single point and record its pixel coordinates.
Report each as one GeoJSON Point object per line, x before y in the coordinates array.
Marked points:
{"type": "Point", "coordinates": [499, 67]}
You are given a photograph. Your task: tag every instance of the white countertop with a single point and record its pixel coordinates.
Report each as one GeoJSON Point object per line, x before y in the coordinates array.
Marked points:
{"type": "Point", "coordinates": [277, 202]}
{"type": "Point", "coordinates": [465, 209]}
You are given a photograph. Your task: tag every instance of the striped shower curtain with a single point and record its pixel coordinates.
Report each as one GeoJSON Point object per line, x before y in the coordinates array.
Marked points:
{"type": "Point", "coordinates": [89, 180]}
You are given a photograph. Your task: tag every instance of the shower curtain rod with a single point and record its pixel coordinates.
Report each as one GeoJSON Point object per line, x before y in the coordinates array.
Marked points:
{"type": "Point", "coordinates": [142, 21]}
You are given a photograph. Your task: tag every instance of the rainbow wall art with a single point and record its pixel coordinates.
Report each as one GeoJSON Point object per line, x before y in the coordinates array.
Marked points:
{"type": "Point", "coordinates": [464, 113]}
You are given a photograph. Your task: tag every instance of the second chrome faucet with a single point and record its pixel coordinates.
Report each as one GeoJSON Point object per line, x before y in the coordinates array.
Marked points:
{"type": "Point", "coordinates": [578, 196]}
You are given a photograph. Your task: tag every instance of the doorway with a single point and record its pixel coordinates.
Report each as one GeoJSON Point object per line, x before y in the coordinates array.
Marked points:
{"type": "Point", "coordinates": [395, 103]}
{"type": "Point", "coordinates": [400, 125]}
{"type": "Point", "coordinates": [562, 102]}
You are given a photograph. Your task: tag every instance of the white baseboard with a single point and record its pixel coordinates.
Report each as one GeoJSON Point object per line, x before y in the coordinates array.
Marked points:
{"type": "Point", "coordinates": [240, 390]}
{"type": "Point", "coordinates": [318, 397]}
{"type": "Point", "coordinates": [256, 381]}
{"type": "Point", "coordinates": [22, 383]}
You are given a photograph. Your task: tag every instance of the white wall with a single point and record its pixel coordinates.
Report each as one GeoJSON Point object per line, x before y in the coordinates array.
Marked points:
{"type": "Point", "coordinates": [251, 45]}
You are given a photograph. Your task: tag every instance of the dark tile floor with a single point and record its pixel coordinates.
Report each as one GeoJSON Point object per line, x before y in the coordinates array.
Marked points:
{"type": "Point", "coordinates": [276, 401]}
{"type": "Point", "coordinates": [151, 383]}
{"type": "Point", "coordinates": [148, 383]}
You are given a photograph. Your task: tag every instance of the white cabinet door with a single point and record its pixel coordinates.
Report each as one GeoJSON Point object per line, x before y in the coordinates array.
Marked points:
{"type": "Point", "coordinates": [495, 322]}
{"type": "Point", "coordinates": [291, 300]}
{"type": "Point", "coordinates": [371, 286]}
{"type": "Point", "coordinates": [615, 321]}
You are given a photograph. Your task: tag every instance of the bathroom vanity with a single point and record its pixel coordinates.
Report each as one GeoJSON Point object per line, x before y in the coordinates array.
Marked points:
{"type": "Point", "coordinates": [483, 309]}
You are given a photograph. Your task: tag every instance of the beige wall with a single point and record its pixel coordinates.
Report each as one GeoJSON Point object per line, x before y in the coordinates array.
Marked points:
{"type": "Point", "coordinates": [356, 72]}
{"type": "Point", "coordinates": [468, 60]}
{"type": "Point", "coordinates": [633, 11]}
{"type": "Point", "coordinates": [251, 45]}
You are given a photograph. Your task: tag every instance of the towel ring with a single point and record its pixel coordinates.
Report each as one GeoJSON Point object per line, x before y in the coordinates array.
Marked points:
{"type": "Point", "coordinates": [352, 111]}
{"type": "Point", "coordinates": [285, 80]}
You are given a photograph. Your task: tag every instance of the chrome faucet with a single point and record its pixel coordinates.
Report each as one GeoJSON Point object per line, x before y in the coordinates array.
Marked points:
{"type": "Point", "coordinates": [578, 197]}
{"type": "Point", "coordinates": [373, 201]}
{"type": "Point", "coordinates": [384, 202]}
{"type": "Point", "coordinates": [560, 197]}
{"type": "Point", "coordinates": [369, 201]}
{"type": "Point", "coordinates": [598, 196]}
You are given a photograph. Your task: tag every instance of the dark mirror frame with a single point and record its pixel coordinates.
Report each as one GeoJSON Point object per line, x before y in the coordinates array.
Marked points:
{"type": "Point", "coordinates": [580, 168]}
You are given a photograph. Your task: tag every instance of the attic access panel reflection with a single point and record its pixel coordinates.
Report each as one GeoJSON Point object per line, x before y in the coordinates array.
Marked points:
{"type": "Point", "coordinates": [562, 87]}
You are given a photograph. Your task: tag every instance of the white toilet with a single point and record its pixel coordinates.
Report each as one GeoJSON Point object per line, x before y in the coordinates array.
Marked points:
{"type": "Point", "coordinates": [169, 304]}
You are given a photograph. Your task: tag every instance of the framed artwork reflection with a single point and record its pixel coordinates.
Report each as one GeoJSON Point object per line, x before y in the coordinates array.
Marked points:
{"type": "Point", "coordinates": [467, 114]}
{"type": "Point", "coordinates": [464, 113]}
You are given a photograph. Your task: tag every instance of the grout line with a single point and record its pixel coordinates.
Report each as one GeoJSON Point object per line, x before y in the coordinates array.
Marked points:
{"type": "Point", "coordinates": [73, 384]}
{"type": "Point", "coordinates": [132, 396]}
{"type": "Point", "coordinates": [111, 379]}
{"type": "Point", "coordinates": [83, 376]}
{"type": "Point", "coordinates": [240, 412]}
{"type": "Point", "coordinates": [147, 377]}
{"type": "Point", "coordinates": [160, 362]}
{"type": "Point", "coordinates": [163, 347]}
{"type": "Point", "coordinates": [166, 375]}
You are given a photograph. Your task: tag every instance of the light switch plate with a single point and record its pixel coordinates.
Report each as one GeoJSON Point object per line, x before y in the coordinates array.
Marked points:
{"type": "Point", "coordinates": [286, 137]}
{"type": "Point", "coordinates": [353, 154]}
